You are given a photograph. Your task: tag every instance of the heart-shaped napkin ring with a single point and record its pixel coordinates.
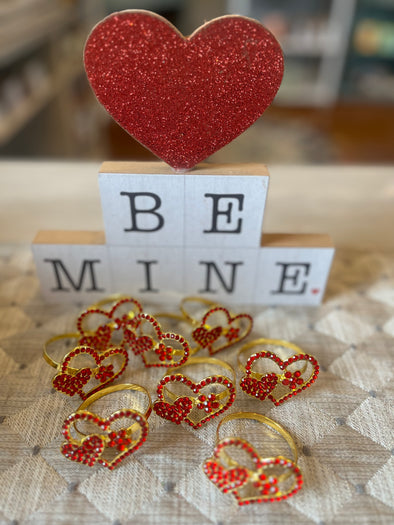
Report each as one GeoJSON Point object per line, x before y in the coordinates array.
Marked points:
{"type": "Point", "coordinates": [105, 440]}
{"type": "Point", "coordinates": [217, 328]}
{"type": "Point", "coordinates": [270, 376]}
{"type": "Point", "coordinates": [91, 371]}
{"type": "Point", "coordinates": [101, 327]}
{"type": "Point", "coordinates": [156, 347]}
{"type": "Point", "coordinates": [237, 468]}
{"type": "Point", "coordinates": [195, 402]}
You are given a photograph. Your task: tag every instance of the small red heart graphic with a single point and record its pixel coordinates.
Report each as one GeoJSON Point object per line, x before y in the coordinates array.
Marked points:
{"type": "Point", "coordinates": [87, 452]}
{"type": "Point", "coordinates": [173, 412]}
{"type": "Point", "coordinates": [71, 381]}
{"type": "Point", "coordinates": [183, 98]}
{"type": "Point", "coordinates": [225, 480]}
{"type": "Point", "coordinates": [266, 386]}
{"type": "Point", "coordinates": [205, 337]}
{"type": "Point", "coordinates": [233, 330]}
{"type": "Point", "coordinates": [111, 447]}
{"type": "Point", "coordinates": [271, 479]}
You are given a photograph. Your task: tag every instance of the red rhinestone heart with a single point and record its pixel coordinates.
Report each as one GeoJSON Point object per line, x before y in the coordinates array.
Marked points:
{"type": "Point", "coordinates": [259, 388]}
{"type": "Point", "coordinates": [183, 98]}
{"type": "Point", "coordinates": [106, 370]}
{"type": "Point", "coordinates": [175, 412]}
{"type": "Point", "coordinates": [115, 445]}
{"type": "Point", "coordinates": [210, 405]}
{"type": "Point", "coordinates": [205, 337]}
{"type": "Point", "coordinates": [269, 480]}
{"type": "Point", "coordinates": [234, 329]}
{"type": "Point", "coordinates": [99, 336]}
{"type": "Point", "coordinates": [99, 340]}
{"type": "Point", "coordinates": [225, 480]}
{"type": "Point", "coordinates": [87, 452]}
{"type": "Point", "coordinates": [292, 381]}
{"type": "Point", "coordinates": [139, 345]}
{"type": "Point", "coordinates": [162, 349]}
{"type": "Point", "coordinates": [72, 385]}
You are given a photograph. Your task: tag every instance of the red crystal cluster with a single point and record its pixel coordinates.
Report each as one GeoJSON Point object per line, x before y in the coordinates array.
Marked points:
{"type": "Point", "coordinates": [90, 450]}
{"type": "Point", "coordinates": [71, 383]}
{"type": "Point", "coordinates": [265, 386]}
{"type": "Point", "coordinates": [212, 404]}
{"type": "Point", "coordinates": [234, 328]}
{"type": "Point", "coordinates": [268, 487]}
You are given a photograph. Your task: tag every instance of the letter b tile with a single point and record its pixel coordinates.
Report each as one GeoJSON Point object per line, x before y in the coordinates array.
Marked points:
{"type": "Point", "coordinates": [142, 209]}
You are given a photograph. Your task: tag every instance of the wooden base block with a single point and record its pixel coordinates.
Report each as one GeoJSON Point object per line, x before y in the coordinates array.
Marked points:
{"type": "Point", "coordinates": [285, 269]}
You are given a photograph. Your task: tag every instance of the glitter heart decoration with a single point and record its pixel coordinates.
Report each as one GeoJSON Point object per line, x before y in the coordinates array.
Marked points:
{"type": "Point", "coordinates": [183, 98]}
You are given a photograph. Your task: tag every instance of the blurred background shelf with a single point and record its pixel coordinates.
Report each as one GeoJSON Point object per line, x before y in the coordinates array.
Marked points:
{"type": "Point", "coordinates": [314, 36]}
{"type": "Point", "coordinates": [42, 77]}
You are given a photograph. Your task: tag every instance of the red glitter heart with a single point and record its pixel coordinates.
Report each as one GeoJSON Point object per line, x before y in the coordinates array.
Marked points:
{"type": "Point", "coordinates": [183, 98]}
{"type": "Point", "coordinates": [174, 412]}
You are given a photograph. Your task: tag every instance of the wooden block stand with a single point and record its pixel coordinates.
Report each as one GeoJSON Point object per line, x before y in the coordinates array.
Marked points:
{"type": "Point", "coordinates": [169, 235]}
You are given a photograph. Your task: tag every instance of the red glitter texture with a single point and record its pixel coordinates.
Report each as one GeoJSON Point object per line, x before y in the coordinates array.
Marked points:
{"type": "Point", "coordinates": [183, 98]}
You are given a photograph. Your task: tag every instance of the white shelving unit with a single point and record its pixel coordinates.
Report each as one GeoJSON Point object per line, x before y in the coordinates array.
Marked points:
{"type": "Point", "coordinates": [41, 44]}
{"type": "Point", "coordinates": [314, 56]}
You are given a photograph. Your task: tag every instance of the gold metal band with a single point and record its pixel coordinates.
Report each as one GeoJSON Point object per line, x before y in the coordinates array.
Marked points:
{"type": "Point", "coordinates": [53, 339]}
{"type": "Point", "coordinates": [111, 389]}
{"type": "Point", "coordinates": [201, 300]}
{"type": "Point", "coordinates": [200, 360]}
{"type": "Point", "coordinates": [261, 419]}
{"type": "Point", "coordinates": [112, 299]}
{"type": "Point", "coordinates": [276, 342]}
